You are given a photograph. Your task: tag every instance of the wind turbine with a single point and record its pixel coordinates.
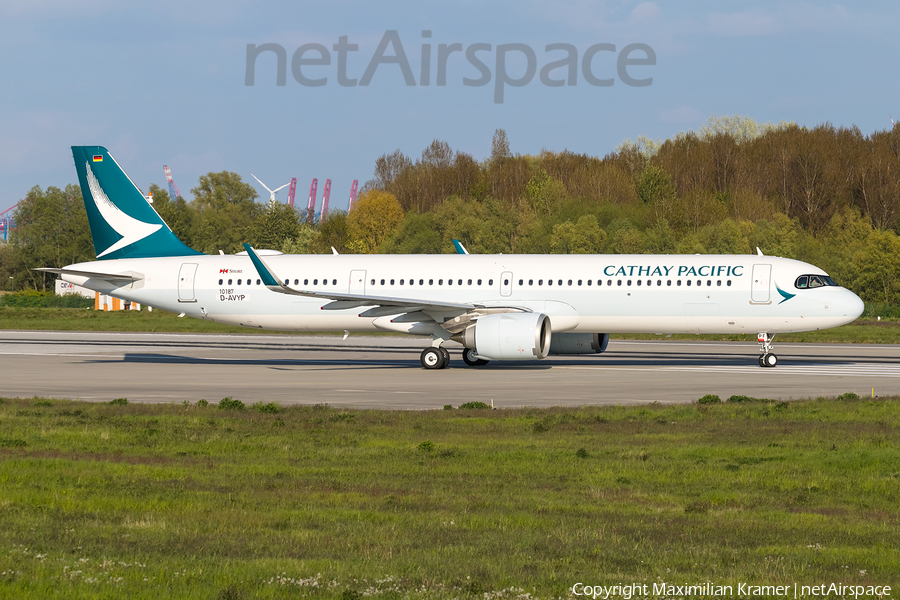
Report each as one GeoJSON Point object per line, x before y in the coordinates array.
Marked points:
{"type": "Point", "coordinates": [271, 192]}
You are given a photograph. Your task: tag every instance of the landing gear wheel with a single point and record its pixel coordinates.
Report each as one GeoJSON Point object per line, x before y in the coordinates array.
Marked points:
{"type": "Point", "coordinates": [768, 360]}
{"type": "Point", "coordinates": [445, 357]}
{"type": "Point", "coordinates": [468, 357]}
{"type": "Point", "coordinates": [432, 358]}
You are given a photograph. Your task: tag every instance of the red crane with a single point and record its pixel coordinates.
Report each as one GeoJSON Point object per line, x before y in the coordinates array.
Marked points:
{"type": "Point", "coordinates": [311, 208]}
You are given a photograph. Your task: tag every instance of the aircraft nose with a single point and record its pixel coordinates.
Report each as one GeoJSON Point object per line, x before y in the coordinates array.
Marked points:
{"type": "Point", "coordinates": [851, 305]}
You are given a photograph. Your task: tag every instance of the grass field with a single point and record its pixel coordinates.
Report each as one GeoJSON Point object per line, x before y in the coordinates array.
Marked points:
{"type": "Point", "coordinates": [73, 319]}
{"type": "Point", "coordinates": [188, 501]}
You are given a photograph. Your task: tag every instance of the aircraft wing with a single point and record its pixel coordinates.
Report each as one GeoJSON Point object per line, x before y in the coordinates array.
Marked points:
{"type": "Point", "coordinates": [343, 301]}
{"type": "Point", "coordinates": [93, 275]}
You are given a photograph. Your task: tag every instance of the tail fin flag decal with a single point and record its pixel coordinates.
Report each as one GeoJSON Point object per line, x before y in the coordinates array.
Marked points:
{"type": "Point", "coordinates": [123, 224]}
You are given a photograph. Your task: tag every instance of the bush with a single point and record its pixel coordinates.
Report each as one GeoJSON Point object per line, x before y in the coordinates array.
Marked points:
{"type": "Point", "coordinates": [709, 399]}
{"type": "Point", "coordinates": [448, 407]}
{"type": "Point", "coordinates": [426, 446]}
{"type": "Point", "coordinates": [582, 453]}
{"type": "Point", "coordinates": [270, 408]}
{"type": "Point", "coordinates": [474, 405]}
{"type": "Point", "coordinates": [848, 396]}
{"type": "Point", "coordinates": [230, 403]}
{"type": "Point", "coordinates": [35, 299]}
{"type": "Point", "coordinates": [735, 399]}
{"type": "Point", "coordinates": [119, 401]}
{"type": "Point", "coordinates": [202, 402]}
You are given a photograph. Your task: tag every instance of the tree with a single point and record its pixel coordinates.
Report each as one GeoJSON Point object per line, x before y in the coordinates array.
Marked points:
{"type": "Point", "coordinates": [582, 237]}
{"type": "Point", "coordinates": [375, 217]}
{"type": "Point", "coordinates": [226, 208]}
{"type": "Point", "coordinates": [277, 224]}
{"type": "Point", "coordinates": [51, 231]}
{"type": "Point", "coordinates": [333, 233]}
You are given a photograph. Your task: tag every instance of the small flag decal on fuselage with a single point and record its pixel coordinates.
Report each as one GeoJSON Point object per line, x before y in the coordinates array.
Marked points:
{"type": "Point", "coordinates": [98, 158]}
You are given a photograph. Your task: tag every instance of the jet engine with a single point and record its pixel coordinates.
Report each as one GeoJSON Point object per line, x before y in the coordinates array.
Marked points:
{"type": "Point", "coordinates": [578, 343]}
{"type": "Point", "coordinates": [508, 336]}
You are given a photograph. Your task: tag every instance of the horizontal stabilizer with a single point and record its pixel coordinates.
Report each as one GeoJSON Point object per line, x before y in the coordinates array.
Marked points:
{"type": "Point", "coordinates": [93, 275]}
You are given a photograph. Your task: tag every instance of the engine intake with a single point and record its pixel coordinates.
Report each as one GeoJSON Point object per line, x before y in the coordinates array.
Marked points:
{"type": "Point", "coordinates": [578, 343]}
{"type": "Point", "coordinates": [508, 336]}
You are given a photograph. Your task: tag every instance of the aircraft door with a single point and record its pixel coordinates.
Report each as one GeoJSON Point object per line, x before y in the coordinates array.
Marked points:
{"type": "Point", "coordinates": [357, 282]}
{"type": "Point", "coordinates": [506, 281]}
{"type": "Point", "coordinates": [186, 276]}
{"type": "Point", "coordinates": [759, 290]}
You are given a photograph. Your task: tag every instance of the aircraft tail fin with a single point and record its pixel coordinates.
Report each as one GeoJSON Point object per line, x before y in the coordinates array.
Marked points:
{"type": "Point", "coordinates": [123, 223]}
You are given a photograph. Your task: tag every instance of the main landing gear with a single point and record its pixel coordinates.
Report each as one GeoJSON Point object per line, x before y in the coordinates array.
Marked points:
{"type": "Point", "coordinates": [766, 359]}
{"type": "Point", "coordinates": [437, 357]}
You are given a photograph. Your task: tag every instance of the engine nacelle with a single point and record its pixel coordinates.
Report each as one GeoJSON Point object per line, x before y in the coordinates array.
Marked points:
{"type": "Point", "coordinates": [578, 343]}
{"type": "Point", "coordinates": [508, 336]}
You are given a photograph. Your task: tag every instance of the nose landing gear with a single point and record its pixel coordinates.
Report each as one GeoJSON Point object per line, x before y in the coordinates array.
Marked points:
{"type": "Point", "coordinates": [766, 359]}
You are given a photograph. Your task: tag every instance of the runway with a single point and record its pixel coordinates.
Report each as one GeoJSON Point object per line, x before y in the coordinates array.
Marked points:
{"type": "Point", "coordinates": [384, 372]}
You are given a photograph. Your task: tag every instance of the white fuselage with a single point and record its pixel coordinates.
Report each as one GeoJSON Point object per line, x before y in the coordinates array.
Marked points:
{"type": "Point", "coordinates": [580, 293]}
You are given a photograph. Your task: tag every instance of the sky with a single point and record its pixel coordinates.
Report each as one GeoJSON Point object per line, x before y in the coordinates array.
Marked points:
{"type": "Point", "coordinates": [166, 82]}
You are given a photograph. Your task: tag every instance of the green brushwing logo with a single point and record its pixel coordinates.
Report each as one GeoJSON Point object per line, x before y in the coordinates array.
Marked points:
{"type": "Point", "coordinates": [784, 294]}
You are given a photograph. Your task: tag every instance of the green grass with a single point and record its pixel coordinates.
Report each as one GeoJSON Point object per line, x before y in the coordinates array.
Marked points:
{"type": "Point", "coordinates": [72, 319]}
{"type": "Point", "coordinates": [187, 501]}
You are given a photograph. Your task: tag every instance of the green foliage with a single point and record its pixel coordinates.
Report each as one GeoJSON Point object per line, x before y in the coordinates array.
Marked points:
{"type": "Point", "coordinates": [35, 299]}
{"type": "Point", "coordinates": [475, 404]}
{"type": "Point", "coordinates": [581, 453]}
{"type": "Point", "coordinates": [426, 446]}
{"type": "Point", "coordinates": [119, 402]}
{"type": "Point", "coordinates": [158, 501]}
{"type": "Point", "coordinates": [270, 408]}
{"type": "Point", "coordinates": [448, 407]}
{"type": "Point", "coordinates": [709, 399]}
{"type": "Point", "coordinates": [745, 399]}
{"type": "Point", "coordinates": [848, 396]}
{"type": "Point", "coordinates": [202, 402]}
{"type": "Point", "coordinates": [229, 403]}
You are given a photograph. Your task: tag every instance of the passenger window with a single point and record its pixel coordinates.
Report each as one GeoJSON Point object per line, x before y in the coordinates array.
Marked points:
{"type": "Point", "coordinates": [629, 282]}
{"type": "Point", "coordinates": [324, 282]}
{"type": "Point", "coordinates": [579, 282]}
{"type": "Point", "coordinates": [239, 282]}
{"type": "Point", "coordinates": [459, 281]}
{"type": "Point", "coordinates": [316, 281]}
{"type": "Point", "coordinates": [431, 282]}
{"type": "Point", "coordinates": [679, 283]}
{"type": "Point", "coordinates": [306, 281]}
{"type": "Point", "coordinates": [490, 282]}
{"type": "Point", "coordinates": [521, 282]}
{"type": "Point", "coordinates": [297, 282]}
{"type": "Point", "coordinates": [560, 282]}
{"type": "Point", "coordinates": [229, 282]}
{"type": "Point", "coordinates": [531, 282]}
{"type": "Point", "coordinates": [479, 282]}
{"type": "Point", "coordinates": [658, 282]}
{"type": "Point", "coordinates": [718, 283]}
{"type": "Point", "coordinates": [392, 282]}
{"type": "Point", "coordinates": [401, 282]}
{"type": "Point", "coordinates": [382, 282]}
{"type": "Point", "coordinates": [258, 282]}
{"type": "Point", "coordinates": [287, 282]}
{"type": "Point", "coordinates": [638, 282]}
{"type": "Point", "coordinates": [708, 282]}
{"type": "Point", "coordinates": [570, 282]}
{"type": "Point", "coordinates": [728, 283]}
{"type": "Point", "coordinates": [540, 282]}
{"type": "Point", "coordinates": [549, 282]}
{"type": "Point", "coordinates": [689, 282]}
{"type": "Point", "coordinates": [373, 282]}
{"type": "Point", "coordinates": [422, 282]}
{"type": "Point", "coordinates": [590, 281]}
{"type": "Point", "coordinates": [334, 282]}
{"type": "Point", "coordinates": [618, 282]}
{"type": "Point", "coordinates": [440, 282]}
{"type": "Point", "coordinates": [608, 282]}
{"type": "Point", "coordinates": [669, 282]}
{"type": "Point", "coordinates": [449, 282]}
{"type": "Point", "coordinates": [220, 282]}
{"type": "Point", "coordinates": [506, 282]}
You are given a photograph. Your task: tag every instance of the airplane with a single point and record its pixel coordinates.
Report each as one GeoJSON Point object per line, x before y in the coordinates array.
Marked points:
{"type": "Point", "coordinates": [497, 307]}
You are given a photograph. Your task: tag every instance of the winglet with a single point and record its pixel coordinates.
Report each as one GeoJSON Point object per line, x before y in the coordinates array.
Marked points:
{"type": "Point", "coordinates": [759, 252]}
{"type": "Point", "coordinates": [460, 249]}
{"type": "Point", "coordinates": [265, 273]}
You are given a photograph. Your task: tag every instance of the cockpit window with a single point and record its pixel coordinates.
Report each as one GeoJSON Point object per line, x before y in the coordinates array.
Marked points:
{"type": "Point", "coordinates": [813, 281]}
